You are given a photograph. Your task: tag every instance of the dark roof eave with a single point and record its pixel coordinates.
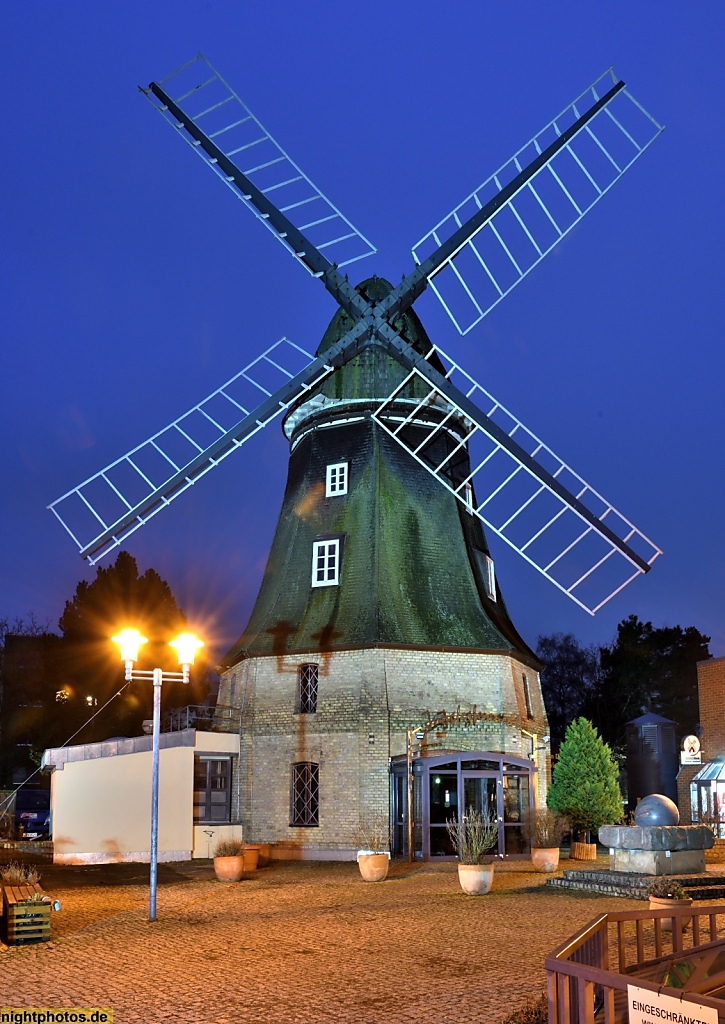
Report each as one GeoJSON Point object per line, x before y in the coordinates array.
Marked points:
{"type": "Point", "coordinates": [522, 656]}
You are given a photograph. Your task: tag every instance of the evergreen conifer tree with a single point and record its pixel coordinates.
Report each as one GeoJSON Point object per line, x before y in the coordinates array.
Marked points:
{"type": "Point", "coordinates": [584, 786]}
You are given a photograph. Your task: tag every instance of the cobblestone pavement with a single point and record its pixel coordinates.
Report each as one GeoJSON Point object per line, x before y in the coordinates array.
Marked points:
{"type": "Point", "coordinates": [296, 943]}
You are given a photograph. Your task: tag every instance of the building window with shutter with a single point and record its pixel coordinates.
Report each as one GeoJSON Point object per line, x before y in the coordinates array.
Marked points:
{"type": "Point", "coordinates": [336, 480]}
{"type": "Point", "coordinates": [326, 563]}
{"type": "Point", "coordinates": [212, 789]}
{"type": "Point", "coordinates": [308, 676]}
{"type": "Point", "coordinates": [305, 794]}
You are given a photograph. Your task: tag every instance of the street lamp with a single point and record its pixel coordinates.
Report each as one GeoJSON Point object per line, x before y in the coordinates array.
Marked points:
{"type": "Point", "coordinates": [186, 646]}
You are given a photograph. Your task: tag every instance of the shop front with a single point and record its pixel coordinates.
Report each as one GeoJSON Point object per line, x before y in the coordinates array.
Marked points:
{"type": "Point", "coordinates": [444, 785]}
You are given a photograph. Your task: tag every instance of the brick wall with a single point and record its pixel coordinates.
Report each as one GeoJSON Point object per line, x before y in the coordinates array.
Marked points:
{"type": "Point", "coordinates": [711, 693]}
{"type": "Point", "coordinates": [367, 699]}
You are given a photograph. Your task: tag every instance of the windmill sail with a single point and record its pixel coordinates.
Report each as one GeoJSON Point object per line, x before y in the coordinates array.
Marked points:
{"type": "Point", "coordinates": [530, 497]}
{"type": "Point", "coordinates": [210, 116]}
{"type": "Point", "coordinates": [507, 226]}
{"type": "Point", "coordinates": [102, 511]}
{"type": "Point", "coordinates": [533, 500]}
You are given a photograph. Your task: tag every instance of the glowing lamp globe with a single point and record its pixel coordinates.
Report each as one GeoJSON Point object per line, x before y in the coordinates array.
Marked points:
{"type": "Point", "coordinates": [186, 646]}
{"type": "Point", "coordinates": [129, 641]}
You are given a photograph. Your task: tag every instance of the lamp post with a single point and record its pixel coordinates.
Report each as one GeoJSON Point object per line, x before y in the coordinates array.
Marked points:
{"type": "Point", "coordinates": [186, 645]}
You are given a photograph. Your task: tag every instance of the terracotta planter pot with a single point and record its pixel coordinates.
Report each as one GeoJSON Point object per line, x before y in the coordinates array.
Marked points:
{"type": "Point", "coordinates": [583, 851]}
{"type": "Point", "coordinates": [251, 856]}
{"type": "Point", "coordinates": [665, 903]}
{"type": "Point", "coordinates": [545, 858]}
{"type": "Point", "coordinates": [229, 869]}
{"type": "Point", "coordinates": [373, 866]}
{"type": "Point", "coordinates": [475, 879]}
{"type": "Point", "coordinates": [265, 854]}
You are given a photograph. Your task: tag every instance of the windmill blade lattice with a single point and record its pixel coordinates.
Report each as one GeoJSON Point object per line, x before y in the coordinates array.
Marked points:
{"type": "Point", "coordinates": [102, 511]}
{"type": "Point", "coordinates": [534, 501]}
{"type": "Point", "coordinates": [219, 126]}
{"type": "Point", "coordinates": [544, 207]}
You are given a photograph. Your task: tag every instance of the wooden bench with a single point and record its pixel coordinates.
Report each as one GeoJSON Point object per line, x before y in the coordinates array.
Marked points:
{"type": "Point", "coordinates": [25, 922]}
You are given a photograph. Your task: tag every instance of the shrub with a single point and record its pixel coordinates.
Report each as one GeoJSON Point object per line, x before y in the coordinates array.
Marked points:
{"type": "Point", "coordinates": [473, 836]}
{"type": "Point", "coordinates": [19, 874]}
{"type": "Point", "coordinates": [666, 889]}
{"type": "Point", "coordinates": [584, 784]}
{"type": "Point", "coordinates": [229, 848]}
{"type": "Point", "coordinates": [536, 1011]}
{"type": "Point", "coordinates": [373, 833]}
{"type": "Point", "coordinates": [544, 828]}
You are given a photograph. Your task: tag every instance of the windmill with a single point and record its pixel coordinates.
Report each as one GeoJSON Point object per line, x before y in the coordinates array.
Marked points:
{"type": "Point", "coordinates": [439, 438]}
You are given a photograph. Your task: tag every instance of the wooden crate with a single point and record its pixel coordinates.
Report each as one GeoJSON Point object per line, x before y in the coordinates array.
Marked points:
{"type": "Point", "coordinates": [25, 922]}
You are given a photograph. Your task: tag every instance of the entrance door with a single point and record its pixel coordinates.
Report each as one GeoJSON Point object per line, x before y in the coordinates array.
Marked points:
{"type": "Point", "coordinates": [442, 807]}
{"type": "Point", "coordinates": [480, 794]}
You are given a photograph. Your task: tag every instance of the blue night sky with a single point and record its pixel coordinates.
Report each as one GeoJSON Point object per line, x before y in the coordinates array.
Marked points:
{"type": "Point", "coordinates": [134, 284]}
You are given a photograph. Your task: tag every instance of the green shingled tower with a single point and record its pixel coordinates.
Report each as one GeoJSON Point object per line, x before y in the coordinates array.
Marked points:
{"type": "Point", "coordinates": [378, 606]}
{"type": "Point", "coordinates": [413, 567]}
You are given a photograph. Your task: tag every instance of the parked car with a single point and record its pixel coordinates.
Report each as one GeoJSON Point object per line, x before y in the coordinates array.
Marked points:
{"type": "Point", "coordinates": [32, 813]}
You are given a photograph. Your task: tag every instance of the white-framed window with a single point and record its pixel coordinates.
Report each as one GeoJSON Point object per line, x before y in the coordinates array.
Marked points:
{"type": "Point", "coordinates": [489, 580]}
{"type": "Point", "coordinates": [326, 563]}
{"type": "Point", "coordinates": [336, 480]}
{"type": "Point", "coordinates": [468, 497]}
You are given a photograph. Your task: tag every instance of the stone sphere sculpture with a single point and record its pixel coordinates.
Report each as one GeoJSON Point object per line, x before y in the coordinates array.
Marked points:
{"type": "Point", "coordinates": [656, 809]}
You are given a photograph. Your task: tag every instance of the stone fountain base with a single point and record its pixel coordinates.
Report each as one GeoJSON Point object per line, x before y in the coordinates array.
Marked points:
{"type": "Point", "coordinates": [657, 849]}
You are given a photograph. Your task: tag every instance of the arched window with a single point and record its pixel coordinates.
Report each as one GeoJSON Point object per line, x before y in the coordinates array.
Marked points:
{"type": "Point", "coordinates": [308, 676]}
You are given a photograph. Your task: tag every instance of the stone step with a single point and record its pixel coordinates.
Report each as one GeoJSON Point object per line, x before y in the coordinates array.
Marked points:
{"type": "Point", "coordinates": [706, 893]}
{"type": "Point", "coordinates": [703, 888]}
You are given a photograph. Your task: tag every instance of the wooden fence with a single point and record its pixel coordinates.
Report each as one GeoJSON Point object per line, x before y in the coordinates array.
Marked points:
{"type": "Point", "coordinates": [589, 973]}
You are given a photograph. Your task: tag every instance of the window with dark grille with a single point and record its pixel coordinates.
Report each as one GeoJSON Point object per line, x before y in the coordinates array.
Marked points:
{"type": "Point", "coordinates": [305, 794]}
{"type": "Point", "coordinates": [527, 697]}
{"type": "Point", "coordinates": [308, 676]}
{"type": "Point", "coordinates": [212, 789]}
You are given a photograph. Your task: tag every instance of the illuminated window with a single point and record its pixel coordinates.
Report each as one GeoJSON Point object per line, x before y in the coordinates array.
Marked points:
{"type": "Point", "coordinates": [212, 789]}
{"type": "Point", "coordinates": [62, 696]}
{"type": "Point", "coordinates": [305, 794]}
{"type": "Point", "coordinates": [326, 563]}
{"type": "Point", "coordinates": [336, 482]}
{"type": "Point", "coordinates": [308, 676]}
{"type": "Point", "coordinates": [527, 697]}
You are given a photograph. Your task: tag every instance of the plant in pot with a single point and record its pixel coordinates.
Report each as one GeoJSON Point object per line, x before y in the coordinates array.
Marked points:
{"type": "Point", "coordinates": [373, 839]}
{"type": "Point", "coordinates": [667, 894]}
{"type": "Point", "coordinates": [584, 786]}
{"type": "Point", "coordinates": [544, 830]}
{"type": "Point", "coordinates": [474, 836]}
{"type": "Point", "coordinates": [229, 860]}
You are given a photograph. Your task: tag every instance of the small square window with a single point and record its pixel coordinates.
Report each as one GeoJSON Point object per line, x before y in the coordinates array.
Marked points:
{"type": "Point", "coordinates": [326, 563]}
{"type": "Point", "coordinates": [336, 482]}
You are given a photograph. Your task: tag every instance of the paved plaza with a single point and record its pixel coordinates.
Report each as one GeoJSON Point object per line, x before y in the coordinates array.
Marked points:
{"type": "Point", "coordinates": [295, 943]}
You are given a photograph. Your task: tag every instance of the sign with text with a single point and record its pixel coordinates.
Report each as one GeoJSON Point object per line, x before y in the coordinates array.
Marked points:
{"type": "Point", "coordinates": [646, 1007]}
